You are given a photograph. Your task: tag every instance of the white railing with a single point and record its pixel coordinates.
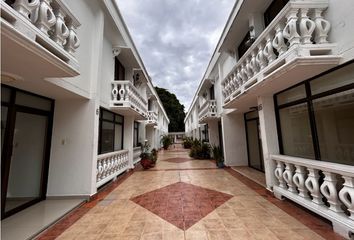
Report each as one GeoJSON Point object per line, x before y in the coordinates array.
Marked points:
{"type": "Point", "coordinates": [151, 117]}
{"type": "Point", "coordinates": [208, 110]}
{"type": "Point", "coordinates": [110, 165]}
{"type": "Point", "coordinates": [136, 154]}
{"type": "Point", "coordinates": [299, 23]}
{"type": "Point", "coordinates": [51, 20]}
{"type": "Point", "coordinates": [323, 187]}
{"type": "Point", "coordinates": [125, 94]}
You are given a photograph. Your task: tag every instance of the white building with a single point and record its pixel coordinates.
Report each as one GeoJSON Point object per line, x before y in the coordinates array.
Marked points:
{"type": "Point", "coordinates": [76, 100]}
{"type": "Point", "coordinates": [282, 80]}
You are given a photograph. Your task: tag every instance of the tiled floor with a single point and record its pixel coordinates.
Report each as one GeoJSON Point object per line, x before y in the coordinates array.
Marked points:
{"type": "Point", "coordinates": [253, 174]}
{"type": "Point", "coordinates": [192, 202]}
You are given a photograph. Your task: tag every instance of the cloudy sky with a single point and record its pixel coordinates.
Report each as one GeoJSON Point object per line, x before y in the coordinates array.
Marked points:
{"type": "Point", "coordinates": [176, 39]}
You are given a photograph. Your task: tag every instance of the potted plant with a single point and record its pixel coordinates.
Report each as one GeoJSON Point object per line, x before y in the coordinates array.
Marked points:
{"type": "Point", "coordinates": [145, 156]}
{"type": "Point", "coordinates": [166, 141]}
{"type": "Point", "coordinates": [153, 156]}
{"type": "Point", "coordinates": [218, 156]}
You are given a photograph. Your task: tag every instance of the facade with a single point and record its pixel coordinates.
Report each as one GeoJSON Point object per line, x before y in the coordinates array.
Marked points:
{"type": "Point", "coordinates": [282, 77]}
{"type": "Point", "coordinates": [76, 100]}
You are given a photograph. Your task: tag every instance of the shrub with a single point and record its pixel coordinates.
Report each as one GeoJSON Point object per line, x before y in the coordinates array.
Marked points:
{"type": "Point", "coordinates": [166, 141]}
{"type": "Point", "coordinates": [200, 150]}
{"type": "Point", "coordinates": [187, 142]}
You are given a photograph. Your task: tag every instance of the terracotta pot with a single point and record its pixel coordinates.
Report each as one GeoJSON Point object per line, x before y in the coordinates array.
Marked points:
{"type": "Point", "coordinates": [146, 163]}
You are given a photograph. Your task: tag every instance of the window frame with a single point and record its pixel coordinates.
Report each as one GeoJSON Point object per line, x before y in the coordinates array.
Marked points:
{"type": "Point", "coordinates": [114, 122]}
{"type": "Point", "coordinates": [309, 102]}
{"type": "Point", "coordinates": [136, 134]}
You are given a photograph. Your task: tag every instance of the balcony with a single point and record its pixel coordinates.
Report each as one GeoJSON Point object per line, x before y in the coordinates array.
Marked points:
{"type": "Point", "coordinates": [208, 111]}
{"type": "Point", "coordinates": [136, 155]}
{"type": "Point", "coordinates": [151, 118]}
{"type": "Point", "coordinates": [127, 99]}
{"type": "Point", "coordinates": [292, 48]}
{"type": "Point", "coordinates": [40, 30]}
{"type": "Point", "coordinates": [323, 187]}
{"type": "Point", "coordinates": [110, 165]}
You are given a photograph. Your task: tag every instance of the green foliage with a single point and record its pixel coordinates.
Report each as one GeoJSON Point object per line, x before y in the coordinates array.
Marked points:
{"type": "Point", "coordinates": [217, 153]}
{"type": "Point", "coordinates": [187, 142]}
{"type": "Point", "coordinates": [145, 154]}
{"type": "Point", "coordinates": [200, 150]}
{"type": "Point", "coordinates": [166, 141]}
{"type": "Point", "coordinates": [173, 108]}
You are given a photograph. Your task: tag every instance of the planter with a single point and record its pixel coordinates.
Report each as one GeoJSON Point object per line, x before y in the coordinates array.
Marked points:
{"type": "Point", "coordinates": [146, 163]}
{"type": "Point", "coordinates": [220, 164]}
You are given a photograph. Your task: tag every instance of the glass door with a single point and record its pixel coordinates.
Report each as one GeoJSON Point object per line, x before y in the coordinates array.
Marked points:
{"type": "Point", "coordinates": [254, 142]}
{"type": "Point", "coordinates": [25, 133]}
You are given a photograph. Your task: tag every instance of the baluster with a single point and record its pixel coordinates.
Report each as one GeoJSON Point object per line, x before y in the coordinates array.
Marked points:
{"type": "Point", "coordinates": [306, 26]}
{"type": "Point", "coordinates": [346, 195]}
{"type": "Point", "coordinates": [248, 69]}
{"type": "Point", "coordinates": [299, 180]}
{"type": "Point", "coordinates": [279, 174]}
{"type": "Point", "coordinates": [243, 73]}
{"type": "Point", "coordinates": [329, 190]}
{"type": "Point", "coordinates": [288, 177]}
{"type": "Point", "coordinates": [61, 31]}
{"type": "Point", "coordinates": [25, 7]}
{"type": "Point", "coordinates": [312, 185]}
{"type": "Point", "coordinates": [261, 60]}
{"type": "Point", "coordinates": [268, 50]}
{"type": "Point", "coordinates": [128, 92]}
{"type": "Point", "coordinates": [239, 76]}
{"type": "Point", "coordinates": [254, 64]}
{"type": "Point", "coordinates": [322, 27]}
{"type": "Point", "coordinates": [46, 18]}
{"type": "Point", "coordinates": [121, 92]}
{"type": "Point", "coordinates": [278, 41]}
{"type": "Point", "coordinates": [72, 41]}
{"type": "Point", "coordinates": [115, 91]}
{"type": "Point", "coordinates": [290, 30]}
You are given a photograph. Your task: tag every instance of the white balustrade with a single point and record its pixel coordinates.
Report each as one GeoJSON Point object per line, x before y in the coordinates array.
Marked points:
{"type": "Point", "coordinates": [53, 19]}
{"type": "Point", "coordinates": [152, 117]}
{"type": "Point", "coordinates": [136, 155]}
{"type": "Point", "coordinates": [323, 187]}
{"type": "Point", "coordinates": [300, 23]}
{"type": "Point", "coordinates": [125, 94]}
{"type": "Point", "coordinates": [208, 110]}
{"type": "Point", "coordinates": [110, 165]}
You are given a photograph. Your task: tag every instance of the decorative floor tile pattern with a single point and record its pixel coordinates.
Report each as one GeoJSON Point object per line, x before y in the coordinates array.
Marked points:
{"type": "Point", "coordinates": [177, 160]}
{"type": "Point", "coordinates": [182, 204]}
{"type": "Point", "coordinates": [252, 212]}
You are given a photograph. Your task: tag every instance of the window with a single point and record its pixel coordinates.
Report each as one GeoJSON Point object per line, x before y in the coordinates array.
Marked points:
{"type": "Point", "coordinates": [136, 134]}
{"type": "Point", "coordinates": [212, 93]}
{"type": "Point", "coordinates": [119, 70]}
{"type": "Point", "coordinates": [205, 133]}
{"type": "Point", "coordinates": [110, 132]}
{"type": "Point", "coordinates": [316, 117]}
{"type": "Point", "coordinates": [272, 11]}
{"type": "Point", "coordinates": [244, 45]}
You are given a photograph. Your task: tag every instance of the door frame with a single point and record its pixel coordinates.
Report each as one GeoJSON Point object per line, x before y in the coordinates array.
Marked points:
{"type": "Point", "coordinates": [260, 152]}
{"type": "Point", "coordinates": [7, 150]}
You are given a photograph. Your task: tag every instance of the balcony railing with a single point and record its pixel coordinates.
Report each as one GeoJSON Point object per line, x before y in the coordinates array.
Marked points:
{"type": "Point", "coordinates": [110, 165]}
{"type": "Point", "coordinates": [136, 155]}
{"type": "Point", "coordinates": [208, 111]}
{"type": "Point", "coordinates": [325, 188]}
{"type": "Point", "coordinates": [298, 31]}
{"type": "Point", "coordinates": [126, 96]}
{"type": "Point", "coordinates": [49, 23]}
{"type": "Point", "coordinates": [151, 118]}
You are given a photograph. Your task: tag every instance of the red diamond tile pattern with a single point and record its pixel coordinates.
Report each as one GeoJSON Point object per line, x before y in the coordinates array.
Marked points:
{"type": "Point", "coordinates": [182, 204]}
{"type": "Point", "coordinates": [177, 160]}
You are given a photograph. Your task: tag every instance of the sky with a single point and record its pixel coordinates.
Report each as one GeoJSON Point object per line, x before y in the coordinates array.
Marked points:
{"type": "Point", "coordinates": [176, 39]}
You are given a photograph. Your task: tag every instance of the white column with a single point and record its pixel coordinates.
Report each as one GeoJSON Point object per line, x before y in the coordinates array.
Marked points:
{"type": "Point", "coordinates": [128, 138]}
{"type": "Point", "coordinates": [213, 132]}
{"type": "Point", "coordinates": [234, 137]}
{"type": "Point", "coordinates": [269, 136]}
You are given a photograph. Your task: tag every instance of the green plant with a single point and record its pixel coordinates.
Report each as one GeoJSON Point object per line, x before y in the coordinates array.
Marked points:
{"type": "Point", "coordinates": [200, 150]}
{"type": "Point", "coordinates": [166, 141]}
{"type": "Point", "coordinates": [187, 142]}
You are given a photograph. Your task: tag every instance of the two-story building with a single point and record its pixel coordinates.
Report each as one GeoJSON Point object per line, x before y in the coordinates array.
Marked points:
{"type": "Point", "coordinates": [283, 80]}
{"type": "Point", "coordinates": [76, 101]}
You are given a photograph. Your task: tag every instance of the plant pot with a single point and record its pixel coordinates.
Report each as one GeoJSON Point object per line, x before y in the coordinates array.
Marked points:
{"type": "Point", "coordinates": [220, 164]}
{"type": "Point", "coordinates": [146, 163]}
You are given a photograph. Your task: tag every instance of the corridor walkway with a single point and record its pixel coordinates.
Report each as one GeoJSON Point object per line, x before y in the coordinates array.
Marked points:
{"type": "Point", "coordinates": [183, 198]}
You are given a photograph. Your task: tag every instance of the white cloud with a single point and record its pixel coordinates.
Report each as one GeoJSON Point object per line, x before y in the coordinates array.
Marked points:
{"type": "Point", "coordinates": [176, 38]}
